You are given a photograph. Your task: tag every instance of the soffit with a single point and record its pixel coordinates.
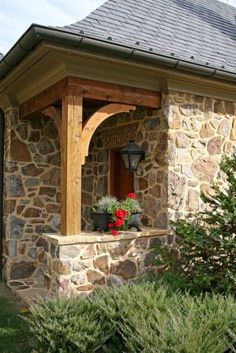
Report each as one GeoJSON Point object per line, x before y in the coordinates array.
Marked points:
{"type": "Point", "coordinates": [48, 64]}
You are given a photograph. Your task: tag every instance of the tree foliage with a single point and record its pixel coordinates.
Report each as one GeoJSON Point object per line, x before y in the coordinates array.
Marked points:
{"type": "Point", "coordinates": [207, 246]}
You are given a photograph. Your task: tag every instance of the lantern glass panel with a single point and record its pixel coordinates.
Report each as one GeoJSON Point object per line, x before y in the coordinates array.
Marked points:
{"type": "Point", "coordinates": [134, 161]}
{"type": "Point", "coordinates": [126, 160]}
{"type": "Point", "coordinates": [132, 155]}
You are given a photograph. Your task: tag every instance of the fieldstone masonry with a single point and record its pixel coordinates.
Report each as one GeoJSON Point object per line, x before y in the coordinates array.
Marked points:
{"type": "Point", "coordinates": [201, 131]}
{"type": "Point", "coordinates": [184, 143]}
{"type": "Point", "coordinates": [31, 196]}
{"type": "Point", "coordinates": [78, 264]}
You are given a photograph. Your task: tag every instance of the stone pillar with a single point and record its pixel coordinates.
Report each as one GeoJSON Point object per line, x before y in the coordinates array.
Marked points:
{"type": "Point", "coordinates": [200, 133]}
{"type": "Point", "coordinates": [31, 196]}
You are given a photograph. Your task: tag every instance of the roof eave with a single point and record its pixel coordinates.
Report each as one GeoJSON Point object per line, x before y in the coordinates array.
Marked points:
{"type": "Point", "coordinates": [36, 33]}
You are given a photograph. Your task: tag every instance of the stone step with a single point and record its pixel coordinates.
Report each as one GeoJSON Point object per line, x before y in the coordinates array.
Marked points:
{"type": "Point", "coordinates": [30, 295]}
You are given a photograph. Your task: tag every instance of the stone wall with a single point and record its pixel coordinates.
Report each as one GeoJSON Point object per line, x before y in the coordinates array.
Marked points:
{"type": "Point", "coordinates": [201, 131]}
{"type": "Point", "coordinates": [149, 130]}
{"type": "Point", "coordinates": [184, 143]}
{"type": "Point", "coordinates": [78, 264]}
{"type": "Point", "coordinates": [31, 196]}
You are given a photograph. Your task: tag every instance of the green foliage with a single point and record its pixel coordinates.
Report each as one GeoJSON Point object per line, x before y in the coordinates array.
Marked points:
{"type": "Point", "coordinates": [106, 204]}
{"type": "Point", "coordinates": [136, 318]}
{"type": "Point", "coordinates": [120, 211]}
{"type": "Point", "coordinates": [131, 205]}
{"type": "Point", "coordinates": [180, 323]}
{"type": "Point", "coordinates": [69, 325]}
{"type": "Point", "coordinates": [110, 204]}
{"type": "Point", "coordinates": [14, 332]}
{"type": "Point", "coordinates": [207, 247]}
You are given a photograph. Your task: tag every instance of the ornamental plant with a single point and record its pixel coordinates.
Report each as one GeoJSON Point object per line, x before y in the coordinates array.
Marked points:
{"type": "Point", "coordinates": [120, 211]}
{"type": "Point", "coordinates": [120, 221]}
{"type": "Point", "coordinates": [207, 249]}
{"type": "Point", "coordinates": [121, 216]}
{"type": "Point", "coordinates": [131, 204]}
{"type": "Point", "coordinates": [139, 317]}
{"type": "Point", "coordinates": [107, 204]}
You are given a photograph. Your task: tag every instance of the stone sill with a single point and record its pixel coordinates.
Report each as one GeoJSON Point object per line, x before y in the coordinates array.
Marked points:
{"type": "Point", "coordinates": [97, 237]}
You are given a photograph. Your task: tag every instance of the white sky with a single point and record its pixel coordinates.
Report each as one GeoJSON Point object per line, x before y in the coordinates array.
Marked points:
{"type": "Point", "coordinates": [17, 15]}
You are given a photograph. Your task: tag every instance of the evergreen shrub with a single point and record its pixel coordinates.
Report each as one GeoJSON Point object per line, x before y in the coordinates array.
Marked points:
{"type": "Point", "coordinates": [207, 245]}
{"type": "Point", "coordinates": [135, 318]}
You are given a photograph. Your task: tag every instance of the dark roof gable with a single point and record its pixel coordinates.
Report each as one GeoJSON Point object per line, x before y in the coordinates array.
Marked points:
{"type": "Point", "coordinates": [199, 31]}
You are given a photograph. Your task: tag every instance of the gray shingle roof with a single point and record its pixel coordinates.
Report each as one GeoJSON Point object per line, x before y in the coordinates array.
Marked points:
{"type": "Point", "coordinates": [199, 31]}
{"type": "Point", "coordinates": [1, 56]}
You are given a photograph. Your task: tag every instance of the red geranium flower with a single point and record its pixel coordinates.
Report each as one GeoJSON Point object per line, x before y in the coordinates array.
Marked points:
{"type": "Point", "coordinates": [111, 225]}
{"type": "Point", "coordinates": [119, 223]}
{"type": "Point", "coordinates": [114, 232]}
{"type": "Point", "coordinates": [132, 195]}
{"type": "Point", "coordinates": [120, 213]}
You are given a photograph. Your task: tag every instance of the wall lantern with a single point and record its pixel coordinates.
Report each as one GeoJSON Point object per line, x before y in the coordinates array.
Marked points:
{"type": "Point", "coordinates": [132, 155]}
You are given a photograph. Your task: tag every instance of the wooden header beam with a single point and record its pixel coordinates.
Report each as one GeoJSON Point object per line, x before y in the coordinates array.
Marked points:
{"type": "Point", "coordinates": [108, 92]}
{"type": "Point", "coordinates": [44, 99]}
{"type": "Point", "coordinates": [111, 92]}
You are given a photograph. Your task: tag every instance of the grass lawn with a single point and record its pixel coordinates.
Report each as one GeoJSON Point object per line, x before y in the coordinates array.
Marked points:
{"type": "Point", "coordinates": [14, 332]}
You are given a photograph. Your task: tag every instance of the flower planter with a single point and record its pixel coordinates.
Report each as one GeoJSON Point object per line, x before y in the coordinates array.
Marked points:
{"type": "Point", "coordinates": [135, 221]}
{"type": "Point", "coordinates": [100, 221]}
{"type": "Point", "coordinates": [109, 213]}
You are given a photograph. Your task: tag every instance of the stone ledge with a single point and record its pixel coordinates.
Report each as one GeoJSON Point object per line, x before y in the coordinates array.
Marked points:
{"type": "Point", "coordinates": [30, 295]}
{"type": "Point", "coordinates": [97, 237]}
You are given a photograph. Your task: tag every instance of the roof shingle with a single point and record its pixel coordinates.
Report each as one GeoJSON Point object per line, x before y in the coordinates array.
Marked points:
{"type": "Point", "coordinates": [198, 31]}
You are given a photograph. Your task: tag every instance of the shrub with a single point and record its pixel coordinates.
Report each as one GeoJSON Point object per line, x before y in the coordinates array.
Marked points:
{"type": "Point", "coordinates": [207, 246]}
{"type": "Point", "coordinates": [185, 324]}
{"type": "Point", "coordinates": [135, 318]}
{"type": "Point", "coordinates": [69, 325]}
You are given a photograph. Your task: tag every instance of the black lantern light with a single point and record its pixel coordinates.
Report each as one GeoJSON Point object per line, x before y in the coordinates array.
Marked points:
{"type": "Point", "coordinates": [132, 155]}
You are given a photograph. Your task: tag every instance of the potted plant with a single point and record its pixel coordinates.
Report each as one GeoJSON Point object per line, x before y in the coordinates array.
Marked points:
{"type": "Point", "coordinates": [127, 215]}
{"type": "Point", "coordinates": [109, 213]}
{"type": "Point", "coordinates": [102, 212]}
{"type": "Point", "coordinates": [132, 205]}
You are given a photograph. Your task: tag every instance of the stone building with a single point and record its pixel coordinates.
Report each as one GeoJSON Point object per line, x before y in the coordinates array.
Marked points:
{"type": "Point", "coordinates": [161, 73]}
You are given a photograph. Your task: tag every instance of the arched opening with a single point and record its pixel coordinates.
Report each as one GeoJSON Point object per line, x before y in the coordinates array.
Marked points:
{"type": "Point", "coordinates": [97, 119]}
{"type": "Point", "coordinates": [103, 172]}
{"type": "Point", "coordinates": [2, 126]}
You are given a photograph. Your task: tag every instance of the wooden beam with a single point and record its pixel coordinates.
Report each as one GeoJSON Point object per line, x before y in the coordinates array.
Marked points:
{"type": "Point", "coordinates": [43, 99]}
{"type": "Point", "coordinates": [115, 93]}
{"type": "Point", "coordinates": [55, 115]}
{"type": "Point", "coordinates": [103, 91]}
{"type": "Point", "coordinates": [95, 120]}
{"type": "Point", "coordinates": [71, 128]}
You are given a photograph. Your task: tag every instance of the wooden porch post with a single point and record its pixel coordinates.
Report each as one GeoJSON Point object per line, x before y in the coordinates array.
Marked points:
{"type": "Point", "coordinates": [71, 128]}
